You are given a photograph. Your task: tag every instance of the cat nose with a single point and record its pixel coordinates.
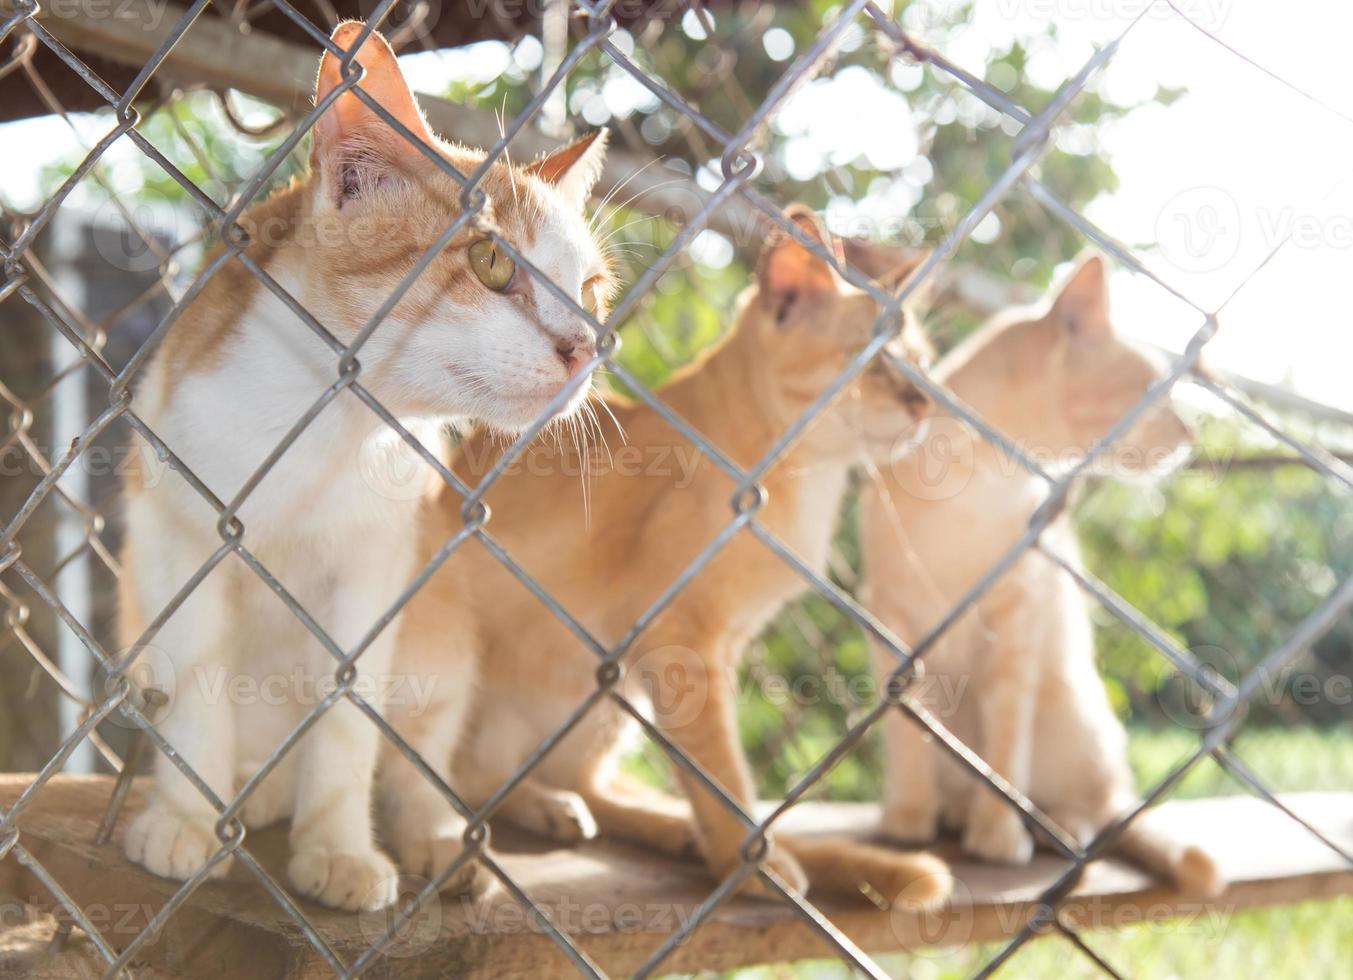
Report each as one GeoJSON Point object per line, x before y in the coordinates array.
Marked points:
{"type": "Point", "coordinates": [574, 354]}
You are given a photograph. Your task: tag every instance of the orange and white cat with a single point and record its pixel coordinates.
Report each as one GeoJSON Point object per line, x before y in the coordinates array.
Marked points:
{"type": "Point", "coordinates": [473, 338]}
{"type": "Point", "coordinates": [655, 509]}
{"type": "Point", "coordinates": [1014, 678]}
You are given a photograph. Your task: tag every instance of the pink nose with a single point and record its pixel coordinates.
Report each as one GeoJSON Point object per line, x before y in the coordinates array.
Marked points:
{"type": "Point", "coordinates": [574, 354]}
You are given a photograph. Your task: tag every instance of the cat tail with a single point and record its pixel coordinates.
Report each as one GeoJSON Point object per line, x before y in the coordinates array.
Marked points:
{"type": "Point", "coordinates": [1192, 869]}
{"type": "Point", "coordinates": [630, 811]}
{"type": "Point", "coordinates": [912, 879]}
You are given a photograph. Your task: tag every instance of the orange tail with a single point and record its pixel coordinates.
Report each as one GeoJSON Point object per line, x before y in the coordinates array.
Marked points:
{"type": "Point", "coordinates": [843, 866]}
{"type": "Point", "coordinates": [1189, 866]}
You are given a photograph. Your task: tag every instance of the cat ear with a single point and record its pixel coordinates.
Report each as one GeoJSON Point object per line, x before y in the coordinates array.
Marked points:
{"type": "Point", "coordinates": [1082, 304]}
{"type": "Point", "coordinates": [355, 149]}
{"type": "Point", "coordinates": [573, 169]}
{"type": "Point", "coordinates": [789, 273]}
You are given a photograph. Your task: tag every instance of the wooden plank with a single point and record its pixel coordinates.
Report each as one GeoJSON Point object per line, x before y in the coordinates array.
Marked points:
{"type": "Point", "coordinates": [620, 903]}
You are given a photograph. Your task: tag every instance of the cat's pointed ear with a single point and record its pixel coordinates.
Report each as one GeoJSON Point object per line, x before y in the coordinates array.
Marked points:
{"type": "Point", "coordinates": [573, 169]}
{"type": "Point", "coordinates": [789, 273]}
{"type": "Point", "coordinates": [356, 150]}
{"type": "Point", "coordinates": [1082, 304]}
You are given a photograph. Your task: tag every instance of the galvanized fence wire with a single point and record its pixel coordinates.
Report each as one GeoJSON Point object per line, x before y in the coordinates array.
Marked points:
{"type": "Point", "coordinates": [740, 165]}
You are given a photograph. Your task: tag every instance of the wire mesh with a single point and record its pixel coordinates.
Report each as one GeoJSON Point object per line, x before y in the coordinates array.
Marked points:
{"type": "Point", "coordinates": [27, 281]}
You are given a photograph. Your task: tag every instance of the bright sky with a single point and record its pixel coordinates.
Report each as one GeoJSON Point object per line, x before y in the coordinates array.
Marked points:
{"type": "Point", "coordinates": [1224, 175]}
{"type": "Point", "coordinates": [1215, 181]}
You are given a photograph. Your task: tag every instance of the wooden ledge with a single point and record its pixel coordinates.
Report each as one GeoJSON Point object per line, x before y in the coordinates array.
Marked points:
{"type": "Point", "coordinates": [620, 903]}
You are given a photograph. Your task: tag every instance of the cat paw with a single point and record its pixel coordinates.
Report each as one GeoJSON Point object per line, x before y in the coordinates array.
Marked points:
{"type": "Point", "coordinates": [426, 857]}
{"type": "Point", "coordinates": [558, 815]}
{"type": "Point", "coordinates": [1000, 838]}
{"type": "Point", "coordinates": [911, 823]}
{"type": "Point", "coordinates": [172, 845]}
{"type": "Point", "coordinates": [349, 880]}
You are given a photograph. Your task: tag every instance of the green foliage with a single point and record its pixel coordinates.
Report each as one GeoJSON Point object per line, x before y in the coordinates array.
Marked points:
{"type": "Point", "coordinates": [1227, 565]}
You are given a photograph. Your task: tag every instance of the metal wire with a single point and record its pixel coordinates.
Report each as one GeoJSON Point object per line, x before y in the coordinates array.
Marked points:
{"type": "Point", "coordinates": [740, 168]}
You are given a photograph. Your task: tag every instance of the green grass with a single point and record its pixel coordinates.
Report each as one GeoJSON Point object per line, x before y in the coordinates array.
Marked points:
{"type": "Point", "coordinates": [1310, 941]}
{"type": "Point", "coordinates": [1287, 760]}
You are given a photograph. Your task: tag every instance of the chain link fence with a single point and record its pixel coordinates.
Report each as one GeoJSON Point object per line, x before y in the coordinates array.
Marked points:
{"type": "Point", "coordinates": [32, 555]}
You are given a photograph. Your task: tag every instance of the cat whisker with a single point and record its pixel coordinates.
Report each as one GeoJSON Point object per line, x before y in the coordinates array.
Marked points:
{"type": "Point", "coordinates": [502, 132]}
{"type": "Point", "coordinates": [612, 233]}
{"type": "Point", "coordinates": [624, 438]}
{"type": "Point", "coordinates": [596, 216]}
{"type": "Point", "coordinates": [595, 423]}
{"type": "Point", "coordinates": [579, 436]}
{"type": "Point", "coordinates": [616, 209]}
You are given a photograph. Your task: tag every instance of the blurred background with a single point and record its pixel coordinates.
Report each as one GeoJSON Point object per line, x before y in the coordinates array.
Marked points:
{"type": "Point", "coordinates": [1215, 145]}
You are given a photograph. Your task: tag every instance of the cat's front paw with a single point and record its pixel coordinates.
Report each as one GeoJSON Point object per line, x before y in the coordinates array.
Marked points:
{"type": "Point", "coordinates": [999, 837]}
{"type": "Point", "coordinates": [559, 815]}
{"type": "Point", "coordinates": [172, 844]}
{"type": "Point", "coordinates": [350, 880]}
{"type": "Point", "coordinates": [427, 856]}
{"type": "Point", "coordinates": [911, 823]}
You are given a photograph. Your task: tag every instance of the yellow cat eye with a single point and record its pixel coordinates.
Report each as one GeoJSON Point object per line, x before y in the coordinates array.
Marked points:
{"type": "Point", "coordinates": [491, 264]}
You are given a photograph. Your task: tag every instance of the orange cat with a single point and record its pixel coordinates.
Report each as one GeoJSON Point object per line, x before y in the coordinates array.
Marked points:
{"type": "Point", "coordinates": [1015, 679]}
{"type": "Point", "coordinates": [654, 510]}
